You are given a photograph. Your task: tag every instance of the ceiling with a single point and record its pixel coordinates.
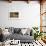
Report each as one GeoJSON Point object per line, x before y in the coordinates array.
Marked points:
{"type": "Point", "coordinates": [24, 0]}
{"type": "Point", "coordinates": [20, 0]}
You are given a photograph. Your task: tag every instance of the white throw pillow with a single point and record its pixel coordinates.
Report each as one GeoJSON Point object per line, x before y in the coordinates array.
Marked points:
{"type": "Point", "coordinates": [28, 31]}
{"type": "Point", "coordinates": [23, 31]}
{"type": "Point", "coordinates": [5, 32]}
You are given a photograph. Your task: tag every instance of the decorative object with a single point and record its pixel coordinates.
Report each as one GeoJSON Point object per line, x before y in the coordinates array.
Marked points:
{"type": "Point", "coordinates": [14, 14]}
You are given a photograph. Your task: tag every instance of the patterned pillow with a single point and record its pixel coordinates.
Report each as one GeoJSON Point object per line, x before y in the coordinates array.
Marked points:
{"type": "Point", "coordinates": [17, 30]}
{"type": "Point", "coordinates": [11, 30]}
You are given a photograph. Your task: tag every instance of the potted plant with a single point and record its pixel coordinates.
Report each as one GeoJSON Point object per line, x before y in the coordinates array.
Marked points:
{"type": "Point", "coordinates": [37, 33]}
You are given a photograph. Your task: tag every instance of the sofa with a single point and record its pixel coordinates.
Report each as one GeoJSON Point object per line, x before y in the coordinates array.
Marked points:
{"type": "Point", "coordinates": [22, 34]}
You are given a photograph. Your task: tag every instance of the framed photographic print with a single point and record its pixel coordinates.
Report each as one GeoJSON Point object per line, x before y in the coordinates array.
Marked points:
{"type": "Point", "coordinates": [14, 14]}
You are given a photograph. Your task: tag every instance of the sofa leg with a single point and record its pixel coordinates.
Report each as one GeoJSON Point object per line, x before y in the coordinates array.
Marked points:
{"type": "Point", "coordinates": [21, 44]}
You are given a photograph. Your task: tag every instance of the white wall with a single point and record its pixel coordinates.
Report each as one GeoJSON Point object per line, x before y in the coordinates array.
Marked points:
{"type": "Point", "coordinates": [29, 14]}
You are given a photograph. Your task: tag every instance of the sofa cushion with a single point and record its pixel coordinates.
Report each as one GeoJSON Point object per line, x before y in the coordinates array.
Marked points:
{"type": "Point", "coordinates": [20, 37]}
{"type": "Point", "coordinates": [17, 30]}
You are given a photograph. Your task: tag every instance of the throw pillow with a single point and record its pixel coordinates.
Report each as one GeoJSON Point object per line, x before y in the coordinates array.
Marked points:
{"type": "Point", "coordinates": [11, 30]}
{"type": "Point", "coordinates": [23, 31]}
{"type": "Point", "coordinates": [28, 31]}
{"type": "Point", "coordinates": [17, 30]}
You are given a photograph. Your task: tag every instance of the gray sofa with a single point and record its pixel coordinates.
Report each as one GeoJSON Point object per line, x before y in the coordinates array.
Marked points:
{"type": "Point", "coordinates": [22, 38]}
{"type": "Point", "coordinates": [17, 35]}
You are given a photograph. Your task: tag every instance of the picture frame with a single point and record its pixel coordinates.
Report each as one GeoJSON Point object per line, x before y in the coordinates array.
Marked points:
{"type": "Point", "coordinates": [14, 14]}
